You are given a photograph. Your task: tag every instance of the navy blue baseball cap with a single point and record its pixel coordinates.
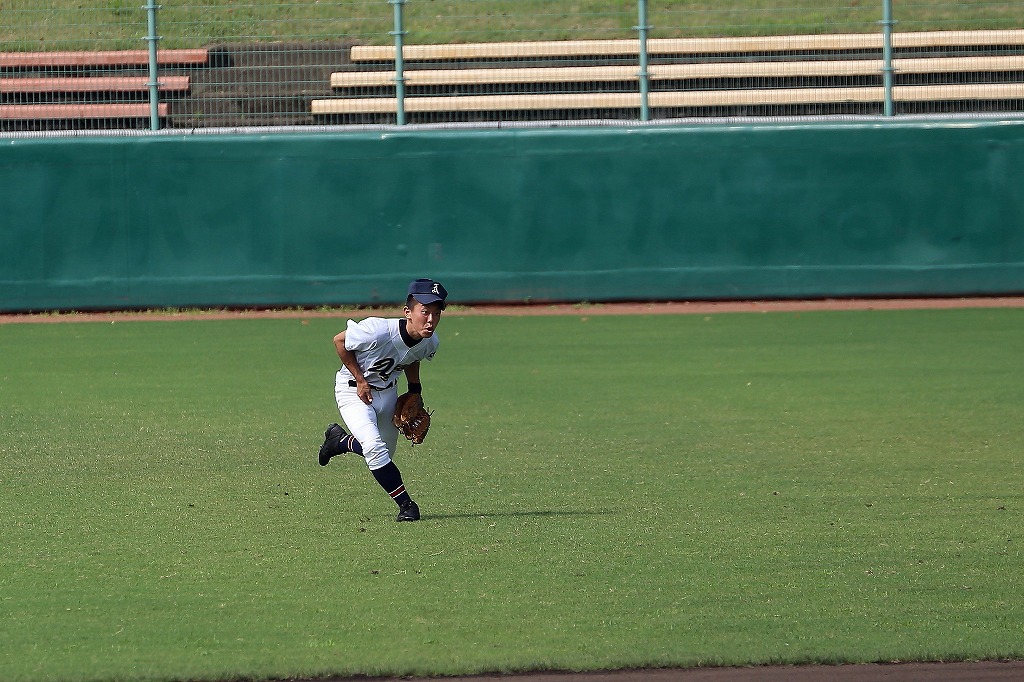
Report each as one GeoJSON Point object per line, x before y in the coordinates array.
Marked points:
{"type": "Point", "coordinates": [427, 291]}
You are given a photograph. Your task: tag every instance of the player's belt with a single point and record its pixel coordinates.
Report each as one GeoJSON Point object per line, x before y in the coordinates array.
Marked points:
{"type": "Point", "coordinates": [352, 383]}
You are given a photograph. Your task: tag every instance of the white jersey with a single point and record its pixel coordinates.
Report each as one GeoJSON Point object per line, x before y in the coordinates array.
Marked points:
{"type": "Point", "coordinates": [384, 350]}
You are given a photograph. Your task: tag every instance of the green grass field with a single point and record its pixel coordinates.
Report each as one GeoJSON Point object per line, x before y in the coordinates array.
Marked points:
{"type": "Point", "coordinates": [598, 492]}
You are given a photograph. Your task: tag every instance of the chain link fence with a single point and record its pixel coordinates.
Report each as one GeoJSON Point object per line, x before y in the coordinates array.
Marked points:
{"type": "Point", "coordinates": [122, 65]}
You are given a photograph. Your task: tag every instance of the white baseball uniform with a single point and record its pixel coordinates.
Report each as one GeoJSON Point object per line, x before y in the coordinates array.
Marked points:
{"type": "Point", "coordinates": [383, 350]}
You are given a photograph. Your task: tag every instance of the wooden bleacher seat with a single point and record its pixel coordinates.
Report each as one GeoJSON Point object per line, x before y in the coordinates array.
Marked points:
{"type": "Point", "coordinates": [83, 84]}
{"type": "Point", "coordinates": [595, 74]}
{"type": "Point", "coordinates": [694, 98]}
{"type": "Point", "coordinates": [76, 111]}
{"type": "Point", "coordinates": [684, 46]}
{"type": "Point", "coordinates": [100, 58]}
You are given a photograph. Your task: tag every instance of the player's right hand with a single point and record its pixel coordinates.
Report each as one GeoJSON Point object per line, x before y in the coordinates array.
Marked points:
{"type": "Point", "coordinates": [364, 392]}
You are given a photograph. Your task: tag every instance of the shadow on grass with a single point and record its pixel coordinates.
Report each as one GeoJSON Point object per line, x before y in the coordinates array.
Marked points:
{"type": "Point", "coordinates": [513, 514]}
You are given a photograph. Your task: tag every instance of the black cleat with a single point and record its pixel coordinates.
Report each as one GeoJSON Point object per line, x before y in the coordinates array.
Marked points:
{"type": "Point", "coordinates": [409, 512]}
{"type": "Point", "coordinates": [332, 441]}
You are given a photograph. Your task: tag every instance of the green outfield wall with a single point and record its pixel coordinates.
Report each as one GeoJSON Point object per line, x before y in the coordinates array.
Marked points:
{"type": "Point", "coordinates": [598, 214]}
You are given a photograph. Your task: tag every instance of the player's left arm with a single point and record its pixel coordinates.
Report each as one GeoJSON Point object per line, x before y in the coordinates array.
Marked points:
{"type": "Point", "coordinates": [412, 375]}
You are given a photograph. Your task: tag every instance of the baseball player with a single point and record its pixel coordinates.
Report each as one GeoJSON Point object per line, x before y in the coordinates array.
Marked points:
{"type": "Point", "coordinates": [374, 352]}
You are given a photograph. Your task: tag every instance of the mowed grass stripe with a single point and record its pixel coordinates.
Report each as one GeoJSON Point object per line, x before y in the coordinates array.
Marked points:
{"type": "Point", "coordinates": [597, 492]}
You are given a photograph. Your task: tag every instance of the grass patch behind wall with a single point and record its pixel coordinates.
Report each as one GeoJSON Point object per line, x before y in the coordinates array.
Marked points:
{"type": "Point", "coordinates": [120, 24]}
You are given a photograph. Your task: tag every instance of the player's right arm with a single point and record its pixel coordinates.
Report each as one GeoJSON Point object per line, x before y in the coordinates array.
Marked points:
{"type": "Point", "coordinates": [348, 358]}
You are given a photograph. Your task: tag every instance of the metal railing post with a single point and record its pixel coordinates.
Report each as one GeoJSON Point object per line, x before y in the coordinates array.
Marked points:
{"type": "Point", "coordinates": [887, 70]}
{"type": "Point", "coordinates": [399, 35]}
{"type": "Point", "coordinates": [154, 66]}
{"type": "Point", "coordinates": [644, 75]}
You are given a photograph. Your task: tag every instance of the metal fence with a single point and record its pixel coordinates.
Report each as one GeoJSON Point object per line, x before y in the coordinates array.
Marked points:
{"type": "Point", "coordinates": [119, 65]}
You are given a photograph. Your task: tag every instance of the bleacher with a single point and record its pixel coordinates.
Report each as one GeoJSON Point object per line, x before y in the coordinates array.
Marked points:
{"type": "Point", "coordinates": [966, 71]}
{"type": "Point", "coordinates": [89, 89]}
{"type": "Point", "coordinates": [933, 72]}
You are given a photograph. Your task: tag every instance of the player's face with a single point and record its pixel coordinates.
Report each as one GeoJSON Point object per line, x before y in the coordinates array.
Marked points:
{"type": "Point", "coordinates": [422, 320]}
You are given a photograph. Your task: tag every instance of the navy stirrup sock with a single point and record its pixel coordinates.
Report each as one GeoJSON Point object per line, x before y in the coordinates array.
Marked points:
{"type": "Point", "coordinates": [350, 444]}
{"type": "Point", "coordinates": [390, 478]}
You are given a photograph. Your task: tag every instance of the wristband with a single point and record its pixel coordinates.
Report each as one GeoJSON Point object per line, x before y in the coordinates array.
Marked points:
{"type": "Point", "coordinates": [415, 388]}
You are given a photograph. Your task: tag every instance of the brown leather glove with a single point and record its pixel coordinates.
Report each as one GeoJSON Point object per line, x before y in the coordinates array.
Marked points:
{"type": "Point", "coordinates": [411, 417]}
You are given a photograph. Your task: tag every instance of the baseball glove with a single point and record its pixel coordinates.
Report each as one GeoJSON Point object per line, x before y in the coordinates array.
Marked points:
{"type": "Point", "coordinates": [411, 417]}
